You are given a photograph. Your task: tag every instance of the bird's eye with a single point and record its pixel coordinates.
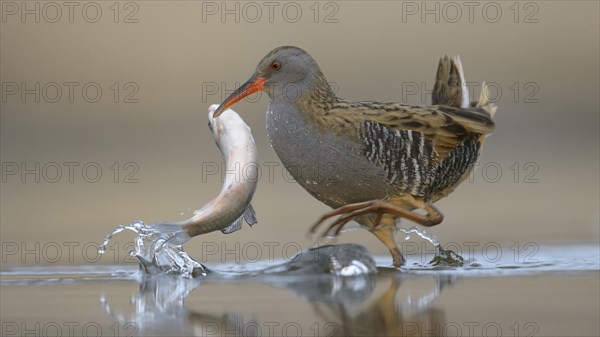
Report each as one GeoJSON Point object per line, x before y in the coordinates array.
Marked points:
{"type": "Point", "coordinates": [276, 65]}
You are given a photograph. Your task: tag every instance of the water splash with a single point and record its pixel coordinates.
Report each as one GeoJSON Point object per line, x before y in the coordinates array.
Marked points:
{"type": "Point", "coordinates": [157, 255]}
{"type": "Point", "coordinates": [422, 233]}
{"type": "Point", "coordinates": [447, 258]}
{"type": "Point", "coordinates": [154, 253]}
{"type": "Point", "coordinates": [443, 257]}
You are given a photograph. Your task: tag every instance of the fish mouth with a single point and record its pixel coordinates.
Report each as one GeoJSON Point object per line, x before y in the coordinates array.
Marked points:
{"type": "Point", "coordinates": [251, 86]}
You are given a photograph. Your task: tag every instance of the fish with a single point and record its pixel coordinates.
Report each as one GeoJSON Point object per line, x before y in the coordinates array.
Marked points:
{"type": "Point", "coordinates": [232, 206]}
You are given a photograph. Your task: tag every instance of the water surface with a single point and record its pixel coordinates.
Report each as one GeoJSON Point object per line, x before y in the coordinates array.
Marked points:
{"type": "Point", "coordinates": [556, 296]}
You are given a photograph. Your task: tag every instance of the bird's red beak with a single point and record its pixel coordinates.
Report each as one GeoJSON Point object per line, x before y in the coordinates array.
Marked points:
{"type": "Point", "coordinates": [251, 86]}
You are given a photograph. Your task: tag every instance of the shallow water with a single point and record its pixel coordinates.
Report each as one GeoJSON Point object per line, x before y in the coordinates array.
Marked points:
{"type": "Point", "coordinates": [157, 255]}
{"type": "Point", "coordinates": [555, 295]}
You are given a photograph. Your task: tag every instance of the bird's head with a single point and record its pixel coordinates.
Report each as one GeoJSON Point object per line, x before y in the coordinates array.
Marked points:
{"type": "Point", "coordinates": [285, 71]}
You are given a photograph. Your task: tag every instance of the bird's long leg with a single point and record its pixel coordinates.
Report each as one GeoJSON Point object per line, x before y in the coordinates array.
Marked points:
{"type": "Point", "coordinates": [383, 230]}
{"type": "Point", "coordinates": [385, 234]}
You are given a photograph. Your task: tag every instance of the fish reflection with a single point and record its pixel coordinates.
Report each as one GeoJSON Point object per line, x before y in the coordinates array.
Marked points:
{"type": "Point", "coordinates": [390, 303]}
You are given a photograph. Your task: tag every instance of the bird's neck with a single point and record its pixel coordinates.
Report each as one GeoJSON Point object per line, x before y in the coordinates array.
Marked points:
{"type": "Point", "coordinates": [319, 108]}
{"type": "Point", "coordinates": [320, 94]}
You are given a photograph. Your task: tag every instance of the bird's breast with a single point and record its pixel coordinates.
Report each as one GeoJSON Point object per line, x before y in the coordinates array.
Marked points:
{"type": "Point", "coordinates": [330, 167]}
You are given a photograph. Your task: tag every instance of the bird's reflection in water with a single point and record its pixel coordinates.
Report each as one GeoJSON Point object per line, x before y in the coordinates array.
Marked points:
{"type": "Point", "coordinates": [394, 312]}
{"type": "Point", "coordinates": [389, 303]}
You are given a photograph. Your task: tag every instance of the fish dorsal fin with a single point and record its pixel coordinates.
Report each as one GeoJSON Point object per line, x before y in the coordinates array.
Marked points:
{"type": "Point", "coordinates": [249, 216]}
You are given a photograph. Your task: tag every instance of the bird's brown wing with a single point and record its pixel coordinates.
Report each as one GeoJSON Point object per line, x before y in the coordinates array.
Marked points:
{"type": "Point", "coordinates": [445, 127]}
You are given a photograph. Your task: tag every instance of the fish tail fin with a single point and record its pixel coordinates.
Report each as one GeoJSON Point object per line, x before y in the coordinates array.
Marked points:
{"type": "Point", "coordinates": [175, 233]}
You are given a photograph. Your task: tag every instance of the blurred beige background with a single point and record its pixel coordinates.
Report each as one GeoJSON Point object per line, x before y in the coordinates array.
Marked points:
{"type": "Point", "coordinates": [182, 56]}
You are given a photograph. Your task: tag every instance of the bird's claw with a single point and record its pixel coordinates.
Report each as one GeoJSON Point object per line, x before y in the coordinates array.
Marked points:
{"type": "Point", "coordinates": [346, 214]}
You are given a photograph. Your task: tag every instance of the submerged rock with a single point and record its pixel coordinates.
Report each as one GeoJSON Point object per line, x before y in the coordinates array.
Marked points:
{"type": "Point", "coordinates": [342, 260]}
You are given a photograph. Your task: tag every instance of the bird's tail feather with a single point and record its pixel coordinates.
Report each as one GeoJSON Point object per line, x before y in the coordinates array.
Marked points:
{"type": "Point", "coordinates": [484, 101]}
{"type": "Point", "coordinates": [450, 87]}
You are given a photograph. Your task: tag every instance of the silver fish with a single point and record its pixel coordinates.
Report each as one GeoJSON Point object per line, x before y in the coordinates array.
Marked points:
{"type": "Point", "coordinates": [232, 206]}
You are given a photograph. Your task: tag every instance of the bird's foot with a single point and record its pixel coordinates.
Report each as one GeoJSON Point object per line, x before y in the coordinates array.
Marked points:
{"type": "Point", "coordinates": [379, 208]}
{"type": "Point", "coordinates": [346, 214]}
{"type": "Point", "coordinates": [385, 233]}
{"type": "Point", "coordinates": [383, 230]}
{"type": "Point", "coordinates": [398, 260]}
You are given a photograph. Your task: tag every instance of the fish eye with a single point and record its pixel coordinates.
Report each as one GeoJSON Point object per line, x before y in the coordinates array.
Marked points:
{"type": "Point", "coordinates": [275, 65]}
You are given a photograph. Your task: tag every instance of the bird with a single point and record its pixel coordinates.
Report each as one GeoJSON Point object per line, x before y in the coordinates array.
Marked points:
{"type": "Point", "coordinates": [383, 161]}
